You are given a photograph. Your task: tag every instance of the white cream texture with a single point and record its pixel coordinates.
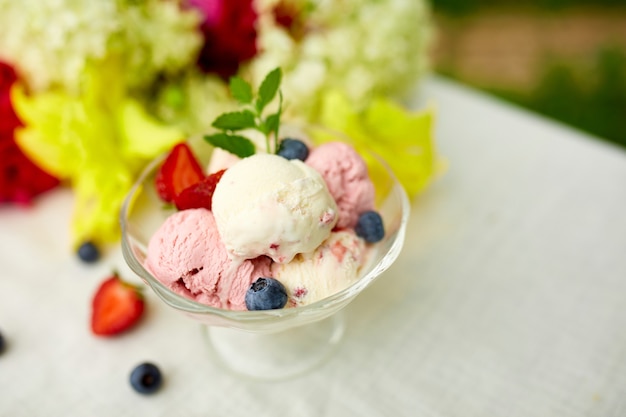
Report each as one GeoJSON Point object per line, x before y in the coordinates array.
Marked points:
{"type": "Point", "coordinates": [268, 205]}
{"type": "Point", "coordinates": [334, 266]}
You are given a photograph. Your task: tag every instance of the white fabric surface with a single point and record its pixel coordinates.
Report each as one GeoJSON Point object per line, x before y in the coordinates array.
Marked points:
{"type": "Point", "coordinates": [509, 298]}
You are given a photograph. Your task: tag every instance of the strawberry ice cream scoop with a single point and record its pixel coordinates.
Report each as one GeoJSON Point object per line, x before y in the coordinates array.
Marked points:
{"type": "Point", "coordinates": [268, 205]}
{"type": "Point", "coordinates": [187, 256]}
{"type": "Point", "coordinates": [331, 268]}
{"type": "Point", "coordinates": [346, 176]}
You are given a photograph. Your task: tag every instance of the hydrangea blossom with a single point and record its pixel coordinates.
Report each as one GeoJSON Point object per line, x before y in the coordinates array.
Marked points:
{"type": "Point", "coordinates": [360, 47]}
{"type": "Point", "coordinates": [52, 42]}
{"type": "Point", "coordinates": [67, 34]}
{"type": "Point", "coordinates": [193, 101]}
{"type": "Point", "coordinates": [158, 39]}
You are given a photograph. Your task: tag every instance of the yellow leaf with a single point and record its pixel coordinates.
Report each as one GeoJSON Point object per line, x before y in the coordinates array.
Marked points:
{"type": "Point", "coordinates": [97, 140]}
{"type": "Point", "coordinates": [43, 139]}
{"type": "Point", "coordinates": [404, 139]}
{"type": "Point", "coordinates": [99, 195]}
{"type": "Point", "coordinates": [142, 135]}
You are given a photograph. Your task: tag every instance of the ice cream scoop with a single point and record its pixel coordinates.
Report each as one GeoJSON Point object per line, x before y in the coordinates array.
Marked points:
{"type": "Point", "coordinates": [329, 269]}
{"type": "Point", "coordinates": [347, 178]}
{"type": "Point", "coordinates": [268, 205]}
{"type": "Point", "coordinates": [187, 256]}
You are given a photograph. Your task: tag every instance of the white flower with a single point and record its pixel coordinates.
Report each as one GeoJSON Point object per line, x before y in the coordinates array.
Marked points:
{"type": "Point", "coordinates": [193, 102]}
{"type": "Point", "coordinates": [51, 42]}
{"type": "Point", "coordinates": [360, 47]}
{"type": "Point", "coordinates": [158, 38]}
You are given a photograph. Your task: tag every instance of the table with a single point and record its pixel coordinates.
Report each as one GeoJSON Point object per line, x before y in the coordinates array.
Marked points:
{"type": "Point", "coordinates": [508, 299]}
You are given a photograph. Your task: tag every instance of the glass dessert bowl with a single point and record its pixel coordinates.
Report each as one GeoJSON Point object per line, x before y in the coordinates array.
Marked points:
{"type": "Point", "coordinates": [292, 339]}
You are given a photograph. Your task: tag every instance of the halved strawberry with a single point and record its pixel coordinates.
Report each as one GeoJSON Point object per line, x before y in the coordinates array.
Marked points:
{"type": "Point", "coordinates": [117, 306]}
{"type": "Point", "coordinates": [199, 194]}
{"type": "Point", "coordinates": [179, 170]}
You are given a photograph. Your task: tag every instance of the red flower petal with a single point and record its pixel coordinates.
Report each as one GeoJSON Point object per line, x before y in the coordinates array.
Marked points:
{"type": "Point", "coordinates": [20, 179]}
{"type": "Point", "coordinates": [229, 34]}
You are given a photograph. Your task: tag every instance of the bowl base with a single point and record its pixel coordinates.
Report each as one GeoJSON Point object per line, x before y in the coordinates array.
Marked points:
{"type": "Point", "coordinates": [279, 355]}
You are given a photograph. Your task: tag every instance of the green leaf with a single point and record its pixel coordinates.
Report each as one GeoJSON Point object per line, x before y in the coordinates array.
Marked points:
{"type": "Point", "coordinates": [268, 89]}
{"type": "Point", "coordinates": [262, 127]}
{"type": "Point", "coordinates": [235, 144]}
{"type": "Point", "coordinates": [277, 123]}
{"type": "Point", "coordinates": [272, 122]}
{"type": "Point", "coordinates": [235, 120]}
{"type": "Point", "coordinates": [241, 90]}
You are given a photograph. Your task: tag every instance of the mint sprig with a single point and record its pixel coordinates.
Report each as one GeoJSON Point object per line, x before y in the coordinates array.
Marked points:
{"type": "Point", "coordinates": [235, 120]}
{"type": "Point", "coordinates": [268, 89]}
{"type": "Point", "coordinates": [251, 117]}
{"type": "Point", "coordinates": [241, 90]}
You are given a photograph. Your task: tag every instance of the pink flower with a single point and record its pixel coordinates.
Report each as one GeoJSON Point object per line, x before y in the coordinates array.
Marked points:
{"type": "Point", "coordinates": [229, 34]}
{"type": "Point", "coordinates": [20, 179]}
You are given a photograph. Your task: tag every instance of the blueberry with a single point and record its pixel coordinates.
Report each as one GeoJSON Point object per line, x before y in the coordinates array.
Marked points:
{"type": "Point", "coordinates": [370, 226]}
{"type": "Point", "coordinates": [266, 294]}
{"type": "Point", "coordinates": [88, 252]}
{"type": "Point", "coordinates": [293, 149]}
{"type": "Point", "coordinates": [146, 378]}
{"type": "Point", "coordinates": [3, 344]}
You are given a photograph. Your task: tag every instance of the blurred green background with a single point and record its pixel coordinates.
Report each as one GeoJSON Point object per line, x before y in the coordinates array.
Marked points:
{"type": "Point", "coordinates": [565, 59]}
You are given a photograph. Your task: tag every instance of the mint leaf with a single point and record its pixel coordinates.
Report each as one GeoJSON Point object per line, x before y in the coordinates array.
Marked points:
{"type": "Point", "coordinates": [235, 120]}
{"type": "Point", "coordinates": [277, 122]}
{"type": "Point", "coordinates": [271, 123]}
{"type": "Point", "coordinates": [241, 90]}
{"type": "Point", "coordinates": [267, 90]}
{"type": "Point", "coordinates": [250, 117]}
{"type": "Point", "coordinates": [262, 127]}
{"type": "Point", "coordinates": [235, 144]}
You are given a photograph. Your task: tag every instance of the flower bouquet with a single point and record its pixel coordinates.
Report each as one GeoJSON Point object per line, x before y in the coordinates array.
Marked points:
{"type": "Point", "coordinates": [91, 91]}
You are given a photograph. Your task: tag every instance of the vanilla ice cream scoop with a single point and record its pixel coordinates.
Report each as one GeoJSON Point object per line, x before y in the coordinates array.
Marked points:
{"type": "Point", "coordinates": [268, 205]}
{"type": "Point", "coordinates": [333, 266]}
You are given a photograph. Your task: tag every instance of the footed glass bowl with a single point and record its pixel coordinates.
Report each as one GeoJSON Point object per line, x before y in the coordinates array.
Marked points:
{"type": "Point", "coordinates": [290, 340]}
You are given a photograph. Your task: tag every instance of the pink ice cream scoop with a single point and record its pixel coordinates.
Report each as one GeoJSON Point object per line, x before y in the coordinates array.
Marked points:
{"type": "Point", "coordinates": [187, 255]}
{"type": "Point", "coordinates": [346, 176]}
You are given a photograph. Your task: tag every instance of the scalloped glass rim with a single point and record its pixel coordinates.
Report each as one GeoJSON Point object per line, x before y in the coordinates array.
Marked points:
{"type": "Point", "coordinates": [257, 320]}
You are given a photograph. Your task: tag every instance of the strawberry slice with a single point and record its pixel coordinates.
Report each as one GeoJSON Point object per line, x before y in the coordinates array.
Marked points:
{"type": "Point", "coordinates": [199, 194]}
{"type": "Point", "coordinates": [179, 170]}
{"type": "Point", "coordinates": [116, 307]}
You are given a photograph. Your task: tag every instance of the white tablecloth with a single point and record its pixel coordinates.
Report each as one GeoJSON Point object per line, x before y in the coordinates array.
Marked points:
{"type": "Point", "coordinates": [509, 298]}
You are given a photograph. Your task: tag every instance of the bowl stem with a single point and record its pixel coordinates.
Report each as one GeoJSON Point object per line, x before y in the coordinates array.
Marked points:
{"type": "Point", "coordinates": [279, 355]}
